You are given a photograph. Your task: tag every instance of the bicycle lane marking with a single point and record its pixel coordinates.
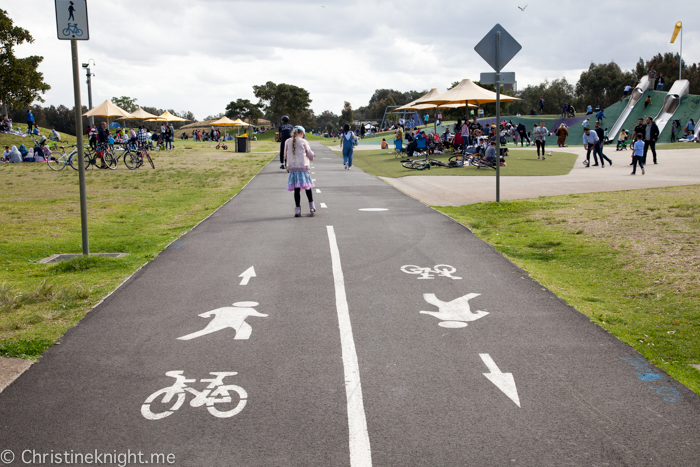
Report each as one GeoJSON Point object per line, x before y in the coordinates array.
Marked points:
{"type": "Point", "coordinates": [360, 451]}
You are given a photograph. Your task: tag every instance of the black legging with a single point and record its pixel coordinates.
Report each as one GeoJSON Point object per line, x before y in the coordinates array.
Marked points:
{"type": "Point", "coordinates": [523, 137]}
{"type": "Point", "coordinates": [539, 143]}
{"type": "Point", "coordinates": [297, 196]}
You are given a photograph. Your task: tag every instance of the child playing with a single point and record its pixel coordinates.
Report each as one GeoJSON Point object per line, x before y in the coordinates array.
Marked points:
{"type": "Point", "coordinates": [297, 157]}
{"type": "Point", "coordinates": [638, 154]}
{"type": "Point", "coordinates": [385, 145]}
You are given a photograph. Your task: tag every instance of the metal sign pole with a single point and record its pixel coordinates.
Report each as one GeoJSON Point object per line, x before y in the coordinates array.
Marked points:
{"type": "Point", "coordinates": [498, 117]}
{"type": "Point", "coordinates": [79, 137]}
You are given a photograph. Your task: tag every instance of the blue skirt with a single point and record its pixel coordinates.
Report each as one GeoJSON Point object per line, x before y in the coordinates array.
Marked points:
{"type": "Point", "coordinates": [299, 180]}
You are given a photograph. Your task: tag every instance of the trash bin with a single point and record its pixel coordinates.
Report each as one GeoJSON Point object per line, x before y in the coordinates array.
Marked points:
{"type": "Point", "coordinates": [242, 144]}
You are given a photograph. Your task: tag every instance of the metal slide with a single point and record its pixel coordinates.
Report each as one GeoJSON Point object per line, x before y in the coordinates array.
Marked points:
{"type": "Point", "coordinates": [636, 95]}
{"type": "Point", "coordinates": [671, 102]}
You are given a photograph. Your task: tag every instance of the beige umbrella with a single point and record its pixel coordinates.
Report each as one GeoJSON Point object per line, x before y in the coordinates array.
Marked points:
{"type": "Point", "coordinates": [167, 117]}
{"type": "Point", "coordinates": [139, 114]}
{"type": "Point", "coordinates": [466, 92]}
{"type": "Point", "coordinates": [420, 104]}
{"type": "Point", "coordinates": [107, 110]}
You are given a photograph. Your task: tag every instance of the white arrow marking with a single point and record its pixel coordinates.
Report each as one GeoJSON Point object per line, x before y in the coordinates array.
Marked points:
{"type": "Point", "coordinates": [247, 274]}
{"type": "Point", "coordinates": [503, 381]}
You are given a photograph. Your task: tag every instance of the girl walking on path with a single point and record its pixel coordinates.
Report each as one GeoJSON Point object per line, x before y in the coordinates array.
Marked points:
{"type": "Point", "coordinates": [297, 157]}
{"type": "Point", "coordinates": [348, 142]}
{"type": "Point", "coordinates": [540, 133]}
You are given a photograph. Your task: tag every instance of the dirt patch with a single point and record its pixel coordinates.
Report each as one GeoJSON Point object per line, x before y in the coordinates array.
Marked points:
{"type": "Point", "coordinates": [657, 227]}
{"type": "Point", "coordinates": [11, 369]}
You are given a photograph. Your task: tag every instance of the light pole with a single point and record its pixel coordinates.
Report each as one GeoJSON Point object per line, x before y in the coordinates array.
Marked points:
{"type": "Point", "coordinates": [89, 83]}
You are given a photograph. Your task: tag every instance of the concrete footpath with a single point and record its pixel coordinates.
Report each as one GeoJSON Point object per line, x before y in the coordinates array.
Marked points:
{"type": "Point", "coordinates": [676, 167]}
{"type": "Point", "coordinates": [378, 332]}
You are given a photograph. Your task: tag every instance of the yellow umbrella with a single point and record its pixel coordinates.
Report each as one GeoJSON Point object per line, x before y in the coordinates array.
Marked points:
{"type": "Point", "coordinates": [225, 121]}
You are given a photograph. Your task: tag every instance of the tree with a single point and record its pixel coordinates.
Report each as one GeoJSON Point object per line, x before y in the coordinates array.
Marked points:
{"type": "Point", "coordinates": [602, 84]}
{"type": "Point", "coordinates": [21, 83]}
{"type": "Point", "coordinates": [327, 121]}
{"type": "Point", "coordinates": [243, 108]}
{"type": "Point", "coordinates": [126, 103]}
{"type": "Point", "coordinates": [284, 99]}
{"type": "Point", "coordinates": [346, 114]}
{"type": "Point", "coordinates": [555, 94]}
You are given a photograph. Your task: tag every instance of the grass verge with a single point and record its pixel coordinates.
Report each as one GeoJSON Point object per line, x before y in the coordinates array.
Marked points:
{"type": "Point", "coordinates": [137, 212]}
{"type": "Point", "coordinates": [629, 260]}
{"type": "Point", "coordinates": [383, 163]}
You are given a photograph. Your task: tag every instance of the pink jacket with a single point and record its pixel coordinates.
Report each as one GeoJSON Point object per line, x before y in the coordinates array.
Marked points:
{"type": "Point", "coordinates": [299, 161]}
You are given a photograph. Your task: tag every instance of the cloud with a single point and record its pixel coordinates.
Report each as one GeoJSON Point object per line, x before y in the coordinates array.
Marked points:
{"type": "Point", "coordinates": [201, 54]}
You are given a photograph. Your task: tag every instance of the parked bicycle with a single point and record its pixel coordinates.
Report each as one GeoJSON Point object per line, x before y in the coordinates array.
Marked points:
{"type": "Point", "coordinates": [106, 157]}
{"type": "Point", "coordinates": [221, 145]}
{"type": "Point", "coordinates": [133, 159]}
{"type": "Point", "coordinates": [59, 160]}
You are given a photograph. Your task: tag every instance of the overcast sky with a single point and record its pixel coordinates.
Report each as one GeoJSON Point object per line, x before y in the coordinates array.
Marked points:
{"type": "Point", "coordinates": [199, 55]}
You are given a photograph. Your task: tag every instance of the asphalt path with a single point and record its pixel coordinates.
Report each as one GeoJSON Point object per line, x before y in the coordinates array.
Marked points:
{"type": "Point", "coordinates": [388, 337]}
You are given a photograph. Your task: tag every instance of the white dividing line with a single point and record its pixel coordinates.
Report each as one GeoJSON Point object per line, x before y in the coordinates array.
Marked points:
{"type": "Point", "coordinates": [313, 179]}
{"type": "Point", "coordinates": [360, 452]}
{"type": "Point", "coordinates": [318, 191]}
{"type": "Point", "coordinates": [323, 205]}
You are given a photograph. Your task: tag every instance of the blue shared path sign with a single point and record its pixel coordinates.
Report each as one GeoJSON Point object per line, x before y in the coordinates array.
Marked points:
{"type": "Point", "coordinates": [72, 20]}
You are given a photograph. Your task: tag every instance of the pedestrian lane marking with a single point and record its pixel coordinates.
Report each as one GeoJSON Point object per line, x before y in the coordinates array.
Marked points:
{"type": "Point", "coordinates": [323, 205]}
{"type": "Point", "coordinates": [372, 209]}
{"type": "Point", "coordinates": [228, 317]}
{"type": "Point", "coordinates": [360, 452]}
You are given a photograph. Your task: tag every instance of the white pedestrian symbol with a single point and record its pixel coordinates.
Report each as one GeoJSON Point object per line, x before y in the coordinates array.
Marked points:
{"type": "Point", "coordinates": [228, 317]}
{"type": "Point", "coordinates": [454, 314]}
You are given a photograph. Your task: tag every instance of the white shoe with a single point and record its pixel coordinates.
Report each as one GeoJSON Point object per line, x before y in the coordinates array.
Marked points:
{"type": "Point", "coordinates": [346, 166]}
{"type": "Point", "coordinates": [297, 212]}
{"type": "Point", "coordinates": [312, 207]}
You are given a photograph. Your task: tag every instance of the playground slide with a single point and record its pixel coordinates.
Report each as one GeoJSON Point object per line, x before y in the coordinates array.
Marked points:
{"type": "Point", "coordinates": [636, 95]}
{"type": "Point", "coordinates": [673, 99]}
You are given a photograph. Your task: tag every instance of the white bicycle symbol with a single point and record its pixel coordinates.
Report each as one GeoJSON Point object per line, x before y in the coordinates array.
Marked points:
{"type": "Point", "coordinates": [215, 393]}
{"type": "Point", "coordinates": [444, 270]}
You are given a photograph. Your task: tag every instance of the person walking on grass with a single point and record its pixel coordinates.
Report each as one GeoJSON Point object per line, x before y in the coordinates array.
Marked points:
{"type": "Point", "coordinates": [297, 156]}
{"type": "Point", "coordinates": [638, 155]}
{"type": "Point", "coordinates": [540, 133]}
{"type": "Point", "coordinates": [347, 141]}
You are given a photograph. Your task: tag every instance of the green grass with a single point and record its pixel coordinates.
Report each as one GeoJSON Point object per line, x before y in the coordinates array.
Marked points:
{"type": "Point", "coordinates": [677, 146]}
{"type": "Point", "coordinates": [7, 139]}
{"type": "Point", "coordinates": [137, 212]}
{"type": "Point", "coordinates": [520, 162]}
{"type": "Point", "coordinates": [629, 260]}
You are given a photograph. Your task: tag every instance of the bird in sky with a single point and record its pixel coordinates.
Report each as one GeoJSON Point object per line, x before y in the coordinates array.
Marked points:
{"type": "Point", "coordinates": [522, 8]}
